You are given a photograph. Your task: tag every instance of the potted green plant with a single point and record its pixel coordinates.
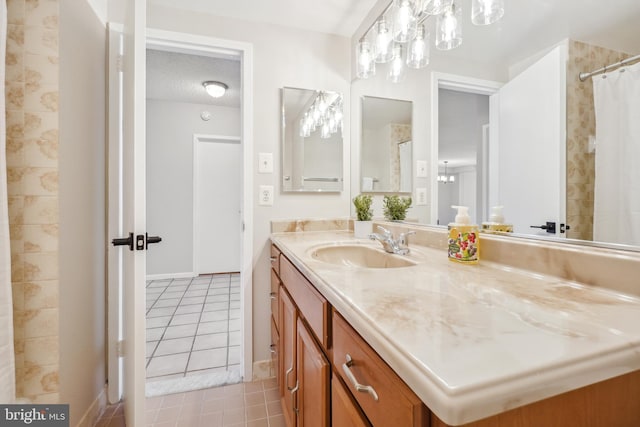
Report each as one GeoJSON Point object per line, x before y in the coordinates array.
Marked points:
{"type": "Point", "coordinates": [363, 226]}
{"type": "Point", "coordinates": [395, 207]}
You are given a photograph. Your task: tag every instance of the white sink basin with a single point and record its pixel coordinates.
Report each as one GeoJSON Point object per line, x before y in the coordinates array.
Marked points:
{"type": "Point", "coordinates": [359, 256]}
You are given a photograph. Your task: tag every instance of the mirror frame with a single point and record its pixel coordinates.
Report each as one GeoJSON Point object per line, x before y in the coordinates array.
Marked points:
{"type": "Point", "coordinates": [362, 143]}
{"type": "Point", "coordinates": [340, 179]}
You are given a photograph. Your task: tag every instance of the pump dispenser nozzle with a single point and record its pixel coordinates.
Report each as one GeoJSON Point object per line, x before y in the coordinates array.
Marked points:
{"type": "Point", "coordinates": [463, 215]}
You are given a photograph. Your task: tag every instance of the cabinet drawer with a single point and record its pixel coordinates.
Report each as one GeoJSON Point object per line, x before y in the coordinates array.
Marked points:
{"type": "Point", "coordinates": [312, 306]}
{"type": "Point", "coordinates": [274, 297]}
{"type": "Point", "coordinates": [275, 258]}
{"type": "Point", "coordinates": [396, 404]}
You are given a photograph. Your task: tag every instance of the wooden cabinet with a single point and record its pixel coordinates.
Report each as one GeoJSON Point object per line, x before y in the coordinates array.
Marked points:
{"type": "Point", "coordinates": [308, 330]}
{"type": "Point", "coordinates": [312, 383]}
{"type": "Point", "coordinates": [384, 398]}
{"type": "Point", "coordinates": [288, 339]}
{"type": "Point", "coordinates": [344, 410]}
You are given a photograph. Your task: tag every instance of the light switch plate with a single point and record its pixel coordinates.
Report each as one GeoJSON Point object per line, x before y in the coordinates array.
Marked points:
{"type": "Point", "coordinates": [421, 169]}
{"type": "Point", "coordinates": [265, 196]}
{"type": "Point", "coordinates": [421, 196]}
{"type": "Point", "coordinates": [265, 162]}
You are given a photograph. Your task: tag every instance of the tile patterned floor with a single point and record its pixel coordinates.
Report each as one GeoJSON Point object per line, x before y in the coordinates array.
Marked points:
{"type": "Point", "coordinates": [253, 404]}
{"type": "Point", "coordinates": [193, 326]}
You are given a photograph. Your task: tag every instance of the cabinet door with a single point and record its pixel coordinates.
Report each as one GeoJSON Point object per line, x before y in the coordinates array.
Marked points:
{"type": "Point", "coordinates": [312, 386]}
{"type": "Point", "coordinates": [274, 297]}
{"type": "Point", "coordinates": [288, 317]}
{"type": "Point", "coordinates": [274, 348]}
{"type": "Point", "coordinates": [344, 410]}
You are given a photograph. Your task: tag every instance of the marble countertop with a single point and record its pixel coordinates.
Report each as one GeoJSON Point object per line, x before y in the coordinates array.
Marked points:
{"type": "Point", "coordinates": [476, 340]}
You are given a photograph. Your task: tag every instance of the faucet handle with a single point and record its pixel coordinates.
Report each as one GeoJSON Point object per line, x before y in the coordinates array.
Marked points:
{"type": "Point", "coordinates": [402, 238]}
{"type": "Point", "coordinates": [386, 232]}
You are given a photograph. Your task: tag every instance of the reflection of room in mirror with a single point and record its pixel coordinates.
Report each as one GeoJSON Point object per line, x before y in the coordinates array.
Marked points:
{"type": "Point", "coordinates": [387, 149]}
{"type": "Point", "coordinates": [311, 154]}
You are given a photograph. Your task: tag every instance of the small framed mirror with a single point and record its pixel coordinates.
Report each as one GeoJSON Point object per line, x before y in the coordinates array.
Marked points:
{"type": "Point", "coordinates": [386, 153]}
{"type": "Point", "coordinates": [312, 140]}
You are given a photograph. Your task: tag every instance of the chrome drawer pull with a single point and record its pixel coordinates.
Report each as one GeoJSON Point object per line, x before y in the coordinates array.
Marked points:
{"type": "Point", "coordinates": [273, 259]}
{"type": "Point", "coordinates": [293, 399]}
{"type": "Point", "coordinates": [360, 387]}
{"type": "Point", "coordinates": [272, 348]}
{"type": "Point", "coordinates": [272, 295]}
{"type": "Point", "coordinates": [286, 378]}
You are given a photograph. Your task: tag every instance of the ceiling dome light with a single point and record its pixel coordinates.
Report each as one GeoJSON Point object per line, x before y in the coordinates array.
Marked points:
{"type": "Point", "coordinates": [215, 89]}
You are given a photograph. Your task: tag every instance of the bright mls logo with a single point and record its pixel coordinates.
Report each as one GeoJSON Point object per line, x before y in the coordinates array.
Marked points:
{"type": "Point", "coordinates": [34, 415]}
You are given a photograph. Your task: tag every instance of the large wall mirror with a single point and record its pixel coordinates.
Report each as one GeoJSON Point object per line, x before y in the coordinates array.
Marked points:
{"type": "Point", "coordinates": [589, 36]}
{"type": "Point", "coordinates": [387, 146]}
{"type": "Point", "coordinates": [311, 140]}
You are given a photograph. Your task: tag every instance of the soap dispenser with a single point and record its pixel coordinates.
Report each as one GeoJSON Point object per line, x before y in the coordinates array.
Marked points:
{"type": "Point", "coordinates": [464, 243]}
{"type": "Point", "coordinates": [496, 222]}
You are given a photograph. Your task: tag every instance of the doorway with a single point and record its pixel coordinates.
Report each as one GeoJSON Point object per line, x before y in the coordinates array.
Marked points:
{"type": "Point", "coordinates": [232, 286]}
{"type": "Point", "coordinates": [194, 200]}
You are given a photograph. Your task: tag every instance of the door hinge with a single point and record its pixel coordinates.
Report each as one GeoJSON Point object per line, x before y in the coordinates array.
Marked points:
{"type": "Point", "coordinates": [120, 348]}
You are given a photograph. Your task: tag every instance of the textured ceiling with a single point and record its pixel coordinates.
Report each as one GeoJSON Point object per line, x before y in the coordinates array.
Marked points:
{"type": "Point", "coordinates": [178, 77]}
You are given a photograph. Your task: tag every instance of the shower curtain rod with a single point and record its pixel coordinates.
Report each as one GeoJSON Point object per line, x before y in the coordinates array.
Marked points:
{"type": "Point", "coordinates": [585, 76]}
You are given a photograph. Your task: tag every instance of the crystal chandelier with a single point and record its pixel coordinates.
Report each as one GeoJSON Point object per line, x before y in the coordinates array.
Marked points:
{"type": "Point", "coordinates": [403, 22]}
{"type": "Point", "coordinates": [325, 114]}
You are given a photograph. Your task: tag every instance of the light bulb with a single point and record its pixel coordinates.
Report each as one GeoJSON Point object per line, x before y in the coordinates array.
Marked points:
{"type": "Point", "coordinates": [418, 50]}
{"type": "Point", "coordinates": [366, 63]}
{"type": "Point", "coordinates": [404, 22]}
{"type": "Point", "coordinates": [485, 12]}
{"type": "Point", "coordinates": [397, 69]}
{"type": "Point", "coordinates": [383, 51]}
{"type": "Point", "coordinates": [325, 131]}
{"type": "Point", "coordinates": [449, 29]}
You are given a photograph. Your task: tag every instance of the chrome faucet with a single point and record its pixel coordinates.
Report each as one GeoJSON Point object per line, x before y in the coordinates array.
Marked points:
{"type": "Point", "coordinates": [397, 246]}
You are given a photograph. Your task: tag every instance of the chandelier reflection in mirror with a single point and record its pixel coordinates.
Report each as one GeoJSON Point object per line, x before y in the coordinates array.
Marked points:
{"type": "Point", "coordinates": [404, 22]}
{"type": "Point", "coordinates": [324, 114]}
{"type": "Point", "coordinates": [443, 179]}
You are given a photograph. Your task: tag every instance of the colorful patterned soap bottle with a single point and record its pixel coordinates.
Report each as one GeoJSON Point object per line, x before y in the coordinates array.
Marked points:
{"type": "Point", "coordinates": [464, 242]}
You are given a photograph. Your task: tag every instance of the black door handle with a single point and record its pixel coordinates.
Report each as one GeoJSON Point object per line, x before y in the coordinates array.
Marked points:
{"type": "Point", "coordinates": [152, 239]}
{"type": "Point", "coordinates": [549, 226]}
{"type": "Point", "coordinates": [124, 241]}
{"type": "Point", "coordinates": [141, 242]}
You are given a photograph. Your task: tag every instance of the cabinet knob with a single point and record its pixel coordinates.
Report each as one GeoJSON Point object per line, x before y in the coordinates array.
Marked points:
{"type": "Point", "coordinates": [272, 295]}
{"type": "Point", "coordinates": [354, 382]}
{"type": "Point", "coordinates": [272, 348]}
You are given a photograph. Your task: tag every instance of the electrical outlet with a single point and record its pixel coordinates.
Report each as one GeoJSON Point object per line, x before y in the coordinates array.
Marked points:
{"type": "Point", "coordinates": [265, 195]}
{"type": "Point", "coordinates": [265, 163]}
{"type": "Point", "coordinates": [421, 196]}
{"type": "Point", "coordinates": [421, 169]}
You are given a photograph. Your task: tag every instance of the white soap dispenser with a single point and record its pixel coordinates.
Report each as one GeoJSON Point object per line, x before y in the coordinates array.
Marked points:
{"type": "Point", "coordinates": [496, 223]}
{"type": "Point", "coordinates": [464, 243]}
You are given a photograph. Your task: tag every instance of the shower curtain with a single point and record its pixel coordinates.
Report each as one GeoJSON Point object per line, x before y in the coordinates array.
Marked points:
{"type": "Point", "coordinates": [7, 366]}
{"type": "Point", "coordinates": [616, 98]}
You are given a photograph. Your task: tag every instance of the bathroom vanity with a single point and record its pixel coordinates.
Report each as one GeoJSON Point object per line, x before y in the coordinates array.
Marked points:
{"type": "Point", "coordinates": [427, 342]}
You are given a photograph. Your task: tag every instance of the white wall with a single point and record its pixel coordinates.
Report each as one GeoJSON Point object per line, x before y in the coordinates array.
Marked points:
{"type": "Point", "coordinates": [82, 206]}
{"type": "Point", "coordinates": [170, 129]}
{"type": "Point", "coordinates": [281, 57]}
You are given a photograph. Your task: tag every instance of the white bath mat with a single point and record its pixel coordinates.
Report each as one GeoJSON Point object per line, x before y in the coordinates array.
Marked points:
{"type": "Point", "coordinates": [195, 382]}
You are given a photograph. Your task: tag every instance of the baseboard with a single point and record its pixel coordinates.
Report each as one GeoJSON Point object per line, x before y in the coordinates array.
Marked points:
{"type": "Point", "coordinates": [188, 275]}
{"type": "Point", "coordinates": [94, 411]}
{"type": "Point", "coordinates": [263, 369]}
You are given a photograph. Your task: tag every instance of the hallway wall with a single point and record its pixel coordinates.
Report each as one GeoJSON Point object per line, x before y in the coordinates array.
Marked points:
{"type": "Point", "coordinates": [170, 129]}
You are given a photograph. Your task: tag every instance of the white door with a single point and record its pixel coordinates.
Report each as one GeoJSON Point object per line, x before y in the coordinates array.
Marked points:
{"type": "Point", "coordinates": [530, 147]}
{"type": "Point", "coordinates": [127, 192]}
{"type": "Point", "coordinates": [217, 189]}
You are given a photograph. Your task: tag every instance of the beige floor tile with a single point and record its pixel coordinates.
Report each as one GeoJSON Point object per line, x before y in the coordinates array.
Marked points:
{"type": "Point", "coordinates": [277, 421]}
{"type": "Point", "coordinates": [256, 412]}
{"type": "Point", "coordinates": [233, 416]}
{"type": "Point", "coordinates": [251, 399]}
